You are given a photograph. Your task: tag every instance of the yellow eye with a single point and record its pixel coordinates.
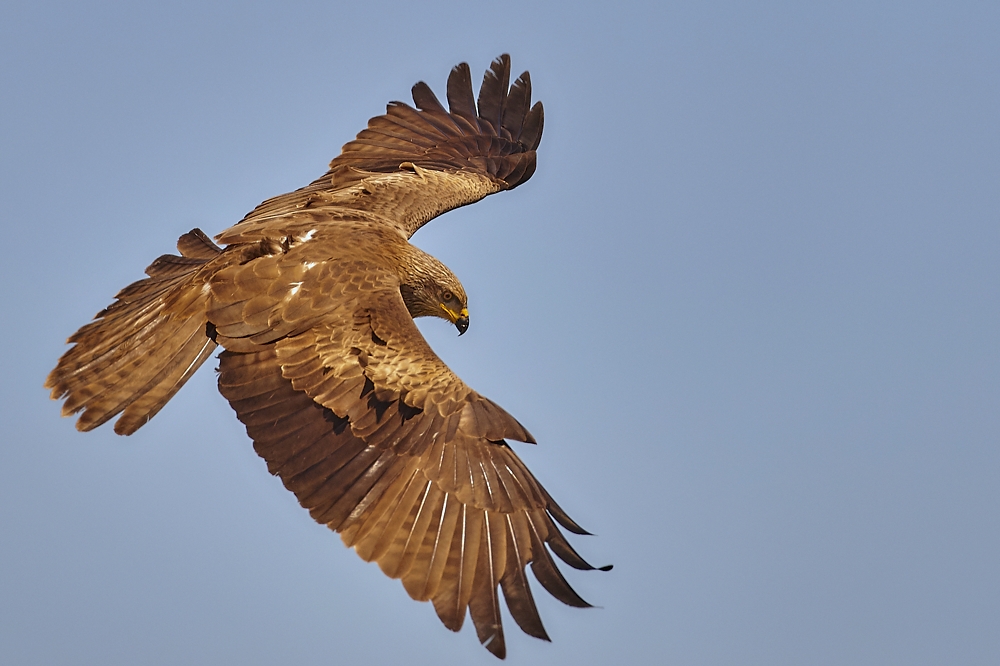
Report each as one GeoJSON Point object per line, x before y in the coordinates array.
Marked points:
{"type": "Point", "coordinates": [447, 296]}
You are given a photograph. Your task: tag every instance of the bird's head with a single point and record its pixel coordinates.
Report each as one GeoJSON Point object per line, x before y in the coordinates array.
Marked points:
{"type": "Point", "coordinates": [441, 296]}
{"type": "Point", "coordinates": [454, 307]}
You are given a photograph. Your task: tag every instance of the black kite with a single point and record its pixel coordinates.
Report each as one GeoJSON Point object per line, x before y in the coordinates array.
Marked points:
{"type": "Point", "coordinates": [312, 297]}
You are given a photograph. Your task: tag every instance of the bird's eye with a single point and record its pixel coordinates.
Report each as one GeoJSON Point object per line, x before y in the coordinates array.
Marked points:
{"type": "Point", "coordinates": [447, 296]}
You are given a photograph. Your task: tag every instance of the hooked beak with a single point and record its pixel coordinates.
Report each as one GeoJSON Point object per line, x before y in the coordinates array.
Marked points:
{"type": "Point", "coordinates": [459, 319]}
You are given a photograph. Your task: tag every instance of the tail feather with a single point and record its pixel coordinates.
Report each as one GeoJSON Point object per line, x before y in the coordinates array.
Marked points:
{"type": "Point", "coordinates": [141, 349]}
{"type": "Point", "coordinates": [107, 340]}
{"type": "Point", "coordinates": [176, 369]}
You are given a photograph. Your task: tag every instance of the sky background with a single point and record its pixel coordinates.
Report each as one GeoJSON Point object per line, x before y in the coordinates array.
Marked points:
{"type": "Point", "coordinates": [749, 305]}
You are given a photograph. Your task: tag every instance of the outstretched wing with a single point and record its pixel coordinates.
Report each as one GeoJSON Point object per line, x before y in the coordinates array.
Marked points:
{"type": "Point", "coordinates": [381, 442]}
{"type": "Point", "coordinates": [412, 164]}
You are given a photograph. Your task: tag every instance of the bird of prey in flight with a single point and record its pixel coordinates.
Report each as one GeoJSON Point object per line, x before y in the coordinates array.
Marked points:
{"type": "Point", "coordinates": [312, 298]}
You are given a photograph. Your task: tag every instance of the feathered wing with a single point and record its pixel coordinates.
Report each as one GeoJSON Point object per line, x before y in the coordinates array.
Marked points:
{"type": "Point", "coordinates": [380, 441]}
{"type": "Point", "coordinates": [408, 166]}
{"type": "Point", "coordinates": [412, 164]}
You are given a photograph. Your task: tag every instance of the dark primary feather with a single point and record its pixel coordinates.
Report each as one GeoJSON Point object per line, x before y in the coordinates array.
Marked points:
{"type": "Point", "coordinates": [460, 98]}
{"type": "Point", "coordinates": [493, 93]}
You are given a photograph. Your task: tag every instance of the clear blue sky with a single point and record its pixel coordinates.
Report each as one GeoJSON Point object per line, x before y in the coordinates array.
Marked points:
{"type": "Point", "coordinates": [749, 305]}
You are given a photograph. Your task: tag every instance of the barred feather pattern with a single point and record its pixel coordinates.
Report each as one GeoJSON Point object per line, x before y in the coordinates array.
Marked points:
{"type": "Point", "coordinates": [140, 350]}
{"type": "Point", "coordinates": [456, 519]}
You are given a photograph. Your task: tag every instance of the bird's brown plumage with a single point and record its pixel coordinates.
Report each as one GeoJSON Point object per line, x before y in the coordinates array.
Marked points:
{"type": "Point", "coordinates": [312, 297]}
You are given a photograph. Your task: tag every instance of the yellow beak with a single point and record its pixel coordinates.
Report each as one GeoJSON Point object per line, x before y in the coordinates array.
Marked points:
{"type": "Point", "coordinates": [459, 319]}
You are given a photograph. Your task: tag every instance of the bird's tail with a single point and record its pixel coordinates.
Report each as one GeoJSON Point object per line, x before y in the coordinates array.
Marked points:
{"type": "Point", "coordinates": [139, 351]}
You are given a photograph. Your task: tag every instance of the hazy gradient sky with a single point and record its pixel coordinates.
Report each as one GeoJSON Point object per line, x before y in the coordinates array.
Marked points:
{"type": "Point", "coordinates": [748, 305]}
